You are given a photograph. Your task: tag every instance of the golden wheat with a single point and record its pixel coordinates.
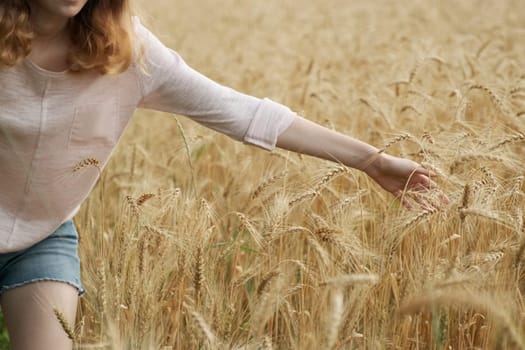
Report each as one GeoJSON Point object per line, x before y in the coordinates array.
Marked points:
{"type": "Point", "coordinates": [510, 139]}
{"type": "Point", "coordinates": [498, 102]}
{"type": "Point", "coordinates": [348, 280]}
{"type": "Point", "coordinates": [198, 274]}
{"type": "Point", "coordinates": [243, 249]}
{"type": "Point", "coordinates": [335, 315]}
{"type": "Point", "coordinates": [394, 141]}
{"type": "Point", "coordinates": [64, 324]}
{"type": "Point", "coordinates": [87, 162]}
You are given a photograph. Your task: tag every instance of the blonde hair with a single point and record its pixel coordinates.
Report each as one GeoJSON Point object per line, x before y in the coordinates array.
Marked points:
{"type": "Point", "coordinates": [100, 35]}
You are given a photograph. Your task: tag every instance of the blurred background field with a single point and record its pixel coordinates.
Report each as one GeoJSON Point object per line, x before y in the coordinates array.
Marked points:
{"type": "Point", "coordinates": [194, 241]}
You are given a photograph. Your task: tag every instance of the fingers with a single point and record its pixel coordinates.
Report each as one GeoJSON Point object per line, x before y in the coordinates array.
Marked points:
{"type": "Point", "coordinates": [426, 172]}
{"type": "Point", "coordinates": [421, 182]}
{"type": "Point", "coordinates": [422, 192]}
{"type": "Point", "coordinates": [443, 197]}
{"type": "Point", "coordinates": [400, 195]}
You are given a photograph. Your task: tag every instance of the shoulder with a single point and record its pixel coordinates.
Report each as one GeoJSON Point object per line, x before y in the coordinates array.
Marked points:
{"type": "Point", "coordinates": [144, 38]}
{"type": "Point", "coordinates": [139, 30]}
{"type": "Point", "coordinates": [149, 50]}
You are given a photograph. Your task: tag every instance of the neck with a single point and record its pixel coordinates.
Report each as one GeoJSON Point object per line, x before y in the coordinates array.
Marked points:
{"type": "Point", "coordinates": [47, 27]}
{"type": "Point", "coordinates": [49, 31]}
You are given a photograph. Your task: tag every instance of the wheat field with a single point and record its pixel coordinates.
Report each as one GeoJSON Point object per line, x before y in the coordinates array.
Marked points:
{"type": "Point", "coordinates": [193, 241]}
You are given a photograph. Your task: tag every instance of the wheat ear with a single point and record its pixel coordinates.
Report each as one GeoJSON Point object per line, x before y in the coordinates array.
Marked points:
{"type": "Point", "coordinates": [87, 162]}
{"type": "Point", "coordinates": [493, 96]}
{"type": "Point", "coordinates": [198, 277]}
{"type": "Point", "coordinates": [465, 200]}
{"type": "Point", "coordinates": [144, 198]}
{"type": "Point", "coordinates": [395, 140]}
{"type": "Point", "coordinates": [64, 324]}
{"type": "Point", "coordinates": [511, 139]}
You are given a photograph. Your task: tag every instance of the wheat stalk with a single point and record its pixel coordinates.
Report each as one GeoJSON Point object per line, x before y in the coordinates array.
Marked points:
{"type": "Point", "coordinates": [350, 280]}
{"type": "Point", "coordinates": [321, 252]}
{"type": "Point", "coordinates": [329, 176]}
{"type": "Point", "coordinates": [335, 316]}
{"type": "Point", "coordinates": [410, 108]}
{"type": "Point", "coordinates": [519, 253]}
{"type": "Point", "coordinates": [144, 198]}
{"type": "Point", "coordinates": [265, 282]}
{"type": "Point", "coordinates": [135, 211]}
{"type": "Point", "coordinates": [68, 329]}
{"type": "Point", "coordinates": [251, 229]}
{"type": "Point", "coordinates": [475, 157]}
{"type": "Point", "coordinates": [103, 286]}
{"type": "Point", "coordinates": [378, 111]}
{"type": "Point", "coordinates": [465, 200]}
{"type": "Point", "coordinates": [205, 329]}
{"type": "Point", "coordinates": [265, 184]}
{"type": "Point", "coordinates": [142, 252]}
{"type": "Point", "coordinates": [417, 218]}
{"type": "Point", "coordinates": [419, 64]}
{"type": "Point", "coordinates": [453, 237]}
{"type": "Point", "coordinates": [428, 137]}
{"type": "Point", "coordinates": [198, 275]}
{"type": "Point", "coordinates": [87, 162]}
{"type": "Point", "coordinates": [498, 102]}
{"type": "Point", "coordinates": [188, 153]}
{"type": "Point", "coordinates": [472, 300]}
{"type": "Point", "coordinates": [516, 90]}
{"type": "Point", "coordinates": [327, 234]}
{"type": "Point", "coordinates": [511, 139]}
{"type": "Point", "coordinates": [397, 86]}
{"type": "Point", "coordinates": [302, 197]}
{"type": "Point", "coordinates": [395, 140]}
{"type": "Point", "coordinates": [267, 343]}
{"type": "Point", "coordinates": [484, 214]}
{"type": "Point", "coordinates": [269, 298]}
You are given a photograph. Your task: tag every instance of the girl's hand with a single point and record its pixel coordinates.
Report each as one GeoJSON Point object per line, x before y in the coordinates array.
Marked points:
{"type": "Point", "coordinates": [401, 177]}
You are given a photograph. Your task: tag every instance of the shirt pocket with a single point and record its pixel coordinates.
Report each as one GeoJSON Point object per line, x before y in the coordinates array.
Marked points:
{"type": "Point", "coordinates": [95, 125]}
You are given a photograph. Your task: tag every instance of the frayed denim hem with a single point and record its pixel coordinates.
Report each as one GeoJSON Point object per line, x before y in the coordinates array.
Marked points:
{"type": "Point", "coordinates": [78, 287]}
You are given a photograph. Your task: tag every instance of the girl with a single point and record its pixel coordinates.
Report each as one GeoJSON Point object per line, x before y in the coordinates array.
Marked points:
{"type": "Point", "coordinates": [72, 73]}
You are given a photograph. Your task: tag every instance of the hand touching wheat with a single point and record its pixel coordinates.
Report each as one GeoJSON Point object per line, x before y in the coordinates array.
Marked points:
{"type": "Point", "coordinates": [403, 178]}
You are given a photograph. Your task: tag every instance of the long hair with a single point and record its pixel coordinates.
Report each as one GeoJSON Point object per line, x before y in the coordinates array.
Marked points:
{"type": "Point", "coordinates": [100, 35]}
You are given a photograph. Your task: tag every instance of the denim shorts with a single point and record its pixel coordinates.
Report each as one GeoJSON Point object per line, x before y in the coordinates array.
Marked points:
{"type": "Point", "coordinates": [53, 259]}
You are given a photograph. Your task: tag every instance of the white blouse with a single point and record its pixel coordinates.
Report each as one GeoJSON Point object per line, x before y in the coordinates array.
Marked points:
{"type": "Point", "coordinates": [50, 122]}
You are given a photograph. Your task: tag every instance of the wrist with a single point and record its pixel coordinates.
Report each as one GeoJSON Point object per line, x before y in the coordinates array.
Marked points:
{"type": "Point", "coordinates": [358, 154]}
{"type": "Point", "coordinates": [375, 163]}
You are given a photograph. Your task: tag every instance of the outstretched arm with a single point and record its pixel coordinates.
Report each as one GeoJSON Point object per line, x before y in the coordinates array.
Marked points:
{"type": "Point", "coordinates": [395, 175]}
{"type": "Point", "coordinates": [172, 86]}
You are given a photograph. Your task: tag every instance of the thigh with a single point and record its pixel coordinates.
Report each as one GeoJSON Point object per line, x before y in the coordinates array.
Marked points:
{"type": "Point", "coordinates": [30, 317]}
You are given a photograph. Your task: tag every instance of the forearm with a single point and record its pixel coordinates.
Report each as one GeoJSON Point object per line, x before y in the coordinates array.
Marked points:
{"type": "Point", "coordinates": [309, 138]}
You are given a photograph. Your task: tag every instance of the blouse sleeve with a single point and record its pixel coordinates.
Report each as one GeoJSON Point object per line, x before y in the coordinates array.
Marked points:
{"type": "Point", "coordinates": [168, 84]}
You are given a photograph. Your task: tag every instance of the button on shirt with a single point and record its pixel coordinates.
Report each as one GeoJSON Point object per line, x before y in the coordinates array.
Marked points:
{"type": "Point", "coordinates": [51, 122]}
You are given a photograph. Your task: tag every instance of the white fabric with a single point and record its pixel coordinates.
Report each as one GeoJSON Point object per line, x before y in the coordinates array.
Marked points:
{"type": "Point", "coordinates": [49, 122]}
